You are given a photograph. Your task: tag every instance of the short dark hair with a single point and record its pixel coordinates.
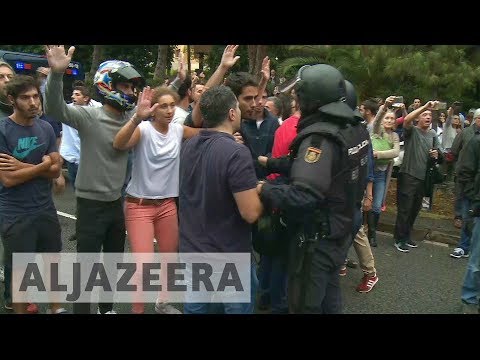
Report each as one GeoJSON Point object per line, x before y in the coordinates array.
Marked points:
{"type": "Point", "coordinates": [277, 102]}
{"type": "Point", "coordinates": [371, 105]}
{"type": "Point", "coordinates": [83, 89]}
{"type": "Point", "coordinates": [184, 87]}
{"type": "Point", "coordinates": [216, 103]}
{"type": "Point", "coordinates": [237, 81]}
{"type": "Point", "coordinates": [20, 84]}
{"type": "Point", "coordinates": [78, 83]}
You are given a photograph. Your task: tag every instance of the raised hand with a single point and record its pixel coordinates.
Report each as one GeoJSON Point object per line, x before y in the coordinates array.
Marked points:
{"type": "Point", "coordinates": [144, 104]}
{"type": "Point", "coordinates": [228, 58]}
{"type": "Point", "coordinates": [389, 101]}
{"type": "Point", "coordinates": [182, 73]}
{"type": "Point", "coordinates": [58, 60]}
{"type": "Point", "coordinates": [450, 112]}
{"type": "Point", "coordinates": [430, 105]}
{"type": "Point", "coordinates": [265, 69]}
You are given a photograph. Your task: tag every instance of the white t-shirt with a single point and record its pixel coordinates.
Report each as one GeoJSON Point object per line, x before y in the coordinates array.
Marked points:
{"type": "Point", "coordinates": [156, 163]}
{"type": "Point", "coordinates": [179, 116]}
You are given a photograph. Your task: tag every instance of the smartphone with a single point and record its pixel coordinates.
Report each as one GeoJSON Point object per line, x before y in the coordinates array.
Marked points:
{"type": "Point", "coordinates": [398, 101]}
{"type": "Point", "coordinates": [440, 106]}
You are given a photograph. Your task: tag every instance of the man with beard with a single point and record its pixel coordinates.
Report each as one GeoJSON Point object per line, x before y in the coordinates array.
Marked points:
{"type": "Point", "coordinates": [29, 159]}
{"type": "Point", "coordinates": [101, 173]}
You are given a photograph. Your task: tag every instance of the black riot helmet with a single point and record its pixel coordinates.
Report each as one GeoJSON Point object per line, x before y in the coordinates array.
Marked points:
{"type": "Point", "coordinates": [321, 88]}
{"type": "Point", "coordinates": [351, 100]}
{"type": "Point", "coordinates": [351, 95]}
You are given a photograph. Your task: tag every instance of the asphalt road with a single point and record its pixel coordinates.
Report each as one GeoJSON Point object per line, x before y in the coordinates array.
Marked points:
{"type": "Point", "coordinates": [424, 281]}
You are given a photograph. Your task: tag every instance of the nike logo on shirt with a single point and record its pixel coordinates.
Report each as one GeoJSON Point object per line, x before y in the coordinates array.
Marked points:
{"type": "Point", "coordinates": [25, 146]}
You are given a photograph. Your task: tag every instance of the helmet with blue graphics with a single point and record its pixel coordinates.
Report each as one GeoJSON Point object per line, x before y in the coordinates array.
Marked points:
{"type": "Point", "coordinates": [112, 72]}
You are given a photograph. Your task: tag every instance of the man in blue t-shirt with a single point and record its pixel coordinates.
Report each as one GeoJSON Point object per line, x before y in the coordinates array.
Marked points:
{"type": "Point", "coordinates": [29, 159]}
{"type": "Point", "coordinates": [218, 196]}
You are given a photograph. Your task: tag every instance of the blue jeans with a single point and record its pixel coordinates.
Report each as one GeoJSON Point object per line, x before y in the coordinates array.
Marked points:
{"type": "Point", "coordinates": [471, 282]}
{"type": "Point", "coordinates": [72, 169]}
{"type": "Point", "coordinates": [379, 187]}
{"type": "Point", "coordinates": [227, 308]}
{"type": "Point", "coordinates": [465, 235]}
{"type": "Point", "coordinates": [272, 278]}
{"type": "Point", "coordinates": [458, 208]}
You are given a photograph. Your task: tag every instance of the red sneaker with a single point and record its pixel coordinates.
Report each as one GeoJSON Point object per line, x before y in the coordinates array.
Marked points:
{"type": "Point", "coordinates": [32, 308]}
{"type": "Point", "coordinates": [367, 284]}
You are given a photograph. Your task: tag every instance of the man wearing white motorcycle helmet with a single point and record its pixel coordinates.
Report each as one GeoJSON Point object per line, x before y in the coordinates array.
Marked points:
{"type": "Point", "coordinates": [101, 173]}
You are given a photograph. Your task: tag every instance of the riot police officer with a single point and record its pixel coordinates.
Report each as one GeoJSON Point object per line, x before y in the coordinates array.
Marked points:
{"type": "Point", "coordinates": [327, 169]}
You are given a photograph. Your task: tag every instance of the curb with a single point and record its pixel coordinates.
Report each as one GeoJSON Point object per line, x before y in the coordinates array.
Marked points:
{"type": "Point", "coordinates": [429, 234]}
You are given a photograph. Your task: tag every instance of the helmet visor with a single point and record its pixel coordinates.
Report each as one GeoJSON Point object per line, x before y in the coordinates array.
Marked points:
{"type": "Point", "coordinates": [128, 74]}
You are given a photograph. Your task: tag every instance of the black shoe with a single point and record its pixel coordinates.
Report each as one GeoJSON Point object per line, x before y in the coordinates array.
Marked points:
{"type": "Point", "coordinates": [412, 244]}
{"type": "Point", "coordinates": [401, 247]}
{"type": "Point", "coordinates": [73, 237]}
{"type": "Point", "coordinates": [373, 242]}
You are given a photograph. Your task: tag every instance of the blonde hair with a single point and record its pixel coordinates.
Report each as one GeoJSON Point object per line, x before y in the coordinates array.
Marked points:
{"type": "Point", "coordinates": [160, 91]}
{"type": "Point", "coordinates": [3, 63]}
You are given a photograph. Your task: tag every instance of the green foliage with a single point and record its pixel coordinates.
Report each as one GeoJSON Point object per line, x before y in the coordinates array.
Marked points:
{"type": "Point", "coordinates": [431, 72]}
{"type": "Point", "coordinates": [215, 56]}
{"type": "Point", "coordinates": [443, 72]}
{"type": "Point", "coordinates": [143, 57]}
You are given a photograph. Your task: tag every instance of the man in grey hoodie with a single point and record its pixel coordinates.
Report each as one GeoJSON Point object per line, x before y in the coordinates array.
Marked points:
{"type": "Point", "coordinates": [101, 173]}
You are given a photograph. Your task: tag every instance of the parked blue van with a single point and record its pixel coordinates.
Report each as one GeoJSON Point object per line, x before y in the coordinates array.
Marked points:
{"type": "Point", "coordinates": [27, 64]}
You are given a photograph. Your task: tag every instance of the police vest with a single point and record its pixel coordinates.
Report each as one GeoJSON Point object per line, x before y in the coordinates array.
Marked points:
{"type": "Point", "coordinates": [349, 181]}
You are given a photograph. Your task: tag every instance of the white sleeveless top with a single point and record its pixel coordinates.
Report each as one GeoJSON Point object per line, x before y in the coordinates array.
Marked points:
{"type": "Point", "coordinates": [156, 163]}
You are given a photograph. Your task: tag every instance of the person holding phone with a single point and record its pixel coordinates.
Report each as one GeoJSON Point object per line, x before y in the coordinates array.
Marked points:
{"type": "Point", "coordinates": [386, 147]}
{"type": "Point", "coordinates": [412, 174]}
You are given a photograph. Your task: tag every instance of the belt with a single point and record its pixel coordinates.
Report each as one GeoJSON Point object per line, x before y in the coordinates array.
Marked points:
{"type": "Point", "coordinates": [139, 201]}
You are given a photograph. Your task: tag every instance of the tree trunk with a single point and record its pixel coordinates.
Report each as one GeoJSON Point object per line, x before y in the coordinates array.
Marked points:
{"type": "Point", "coordinates": [160, 72]}
{"type": "Point", "coordinates": [189, 60]}
{"type": "Point", "coordinates": [256, 54]}
{"type": "Point", "coordinates": [252, 55]}
{"type": "Point", "coordinates": [97, 58]}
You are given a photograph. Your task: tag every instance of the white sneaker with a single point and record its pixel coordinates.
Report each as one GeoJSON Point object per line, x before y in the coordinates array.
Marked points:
{"type": "Point", "coordinates": [426, 203]}
{"type": "Point", "coordinates": [2, 274]}
{"type": "Point", "coordinates": [58, 311]}
{"type": "Point", "coordinates": [165, 308]}
{"type": "Point", "coordinates": [108, 312]}
{"type": "Point", "coordinates": [459, 253]}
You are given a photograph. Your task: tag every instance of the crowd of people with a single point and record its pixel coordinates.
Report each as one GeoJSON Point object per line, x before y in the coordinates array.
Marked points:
{"type": "Point", "coordinates": [228, 165]}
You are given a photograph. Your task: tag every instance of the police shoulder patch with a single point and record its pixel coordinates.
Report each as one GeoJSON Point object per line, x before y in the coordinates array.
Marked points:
{"type": "Point", "coordinates": [312, 155]}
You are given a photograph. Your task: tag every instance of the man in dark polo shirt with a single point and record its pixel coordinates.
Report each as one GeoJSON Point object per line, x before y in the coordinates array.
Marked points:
{"type": "Point", "coordinates": [218, 196]}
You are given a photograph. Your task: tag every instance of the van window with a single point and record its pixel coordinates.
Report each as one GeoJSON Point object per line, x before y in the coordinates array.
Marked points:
{"type": "Point", "coordinates": [27, 64]}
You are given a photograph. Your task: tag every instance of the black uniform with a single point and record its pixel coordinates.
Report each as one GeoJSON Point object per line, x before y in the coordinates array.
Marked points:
{"type": "Point", "coordinates": [327, 181]}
